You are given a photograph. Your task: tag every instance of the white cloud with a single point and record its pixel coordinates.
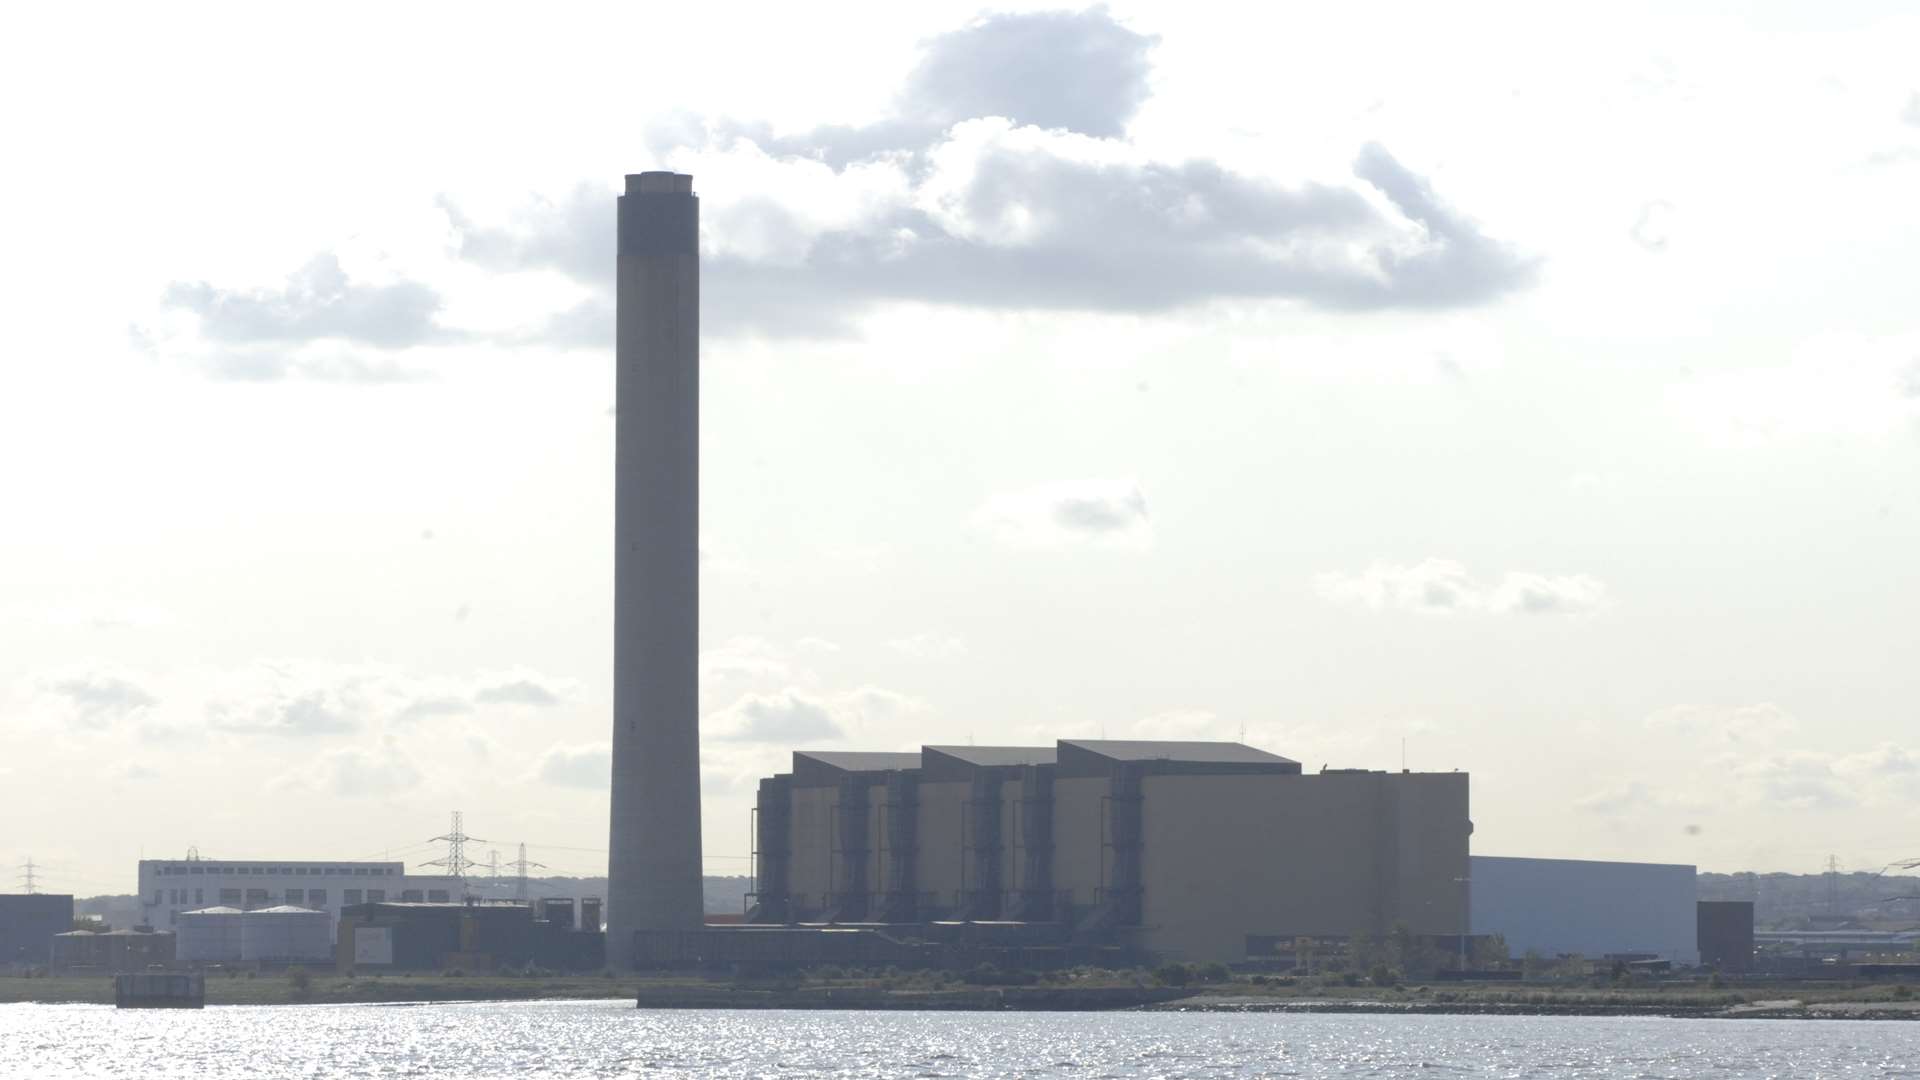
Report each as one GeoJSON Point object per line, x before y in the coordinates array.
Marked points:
{"type": "Point", "coordinates": [1444, 587]}
{"type": "Point", "coordinates": [111, 618]}
{"type": "Point", "coordinates": [1178, 724]}
{"type": "Point", "coordinates": [96, 699]}
{"type": "Point", "coordinates": [1885, 760]}
{"type": "Point", "coordinates": [1099, 513]}
{"type": "Point", "coordinates": [1040, 202]}
{"type": "Point", "coordinates": [1745, 760]}
{"type": "Point", "coordinates": [383, 770]}
{"type": "Point", "coordinates": [315, 712]}
{"type": "Point", "coordinates": [1796, 780]}
{"type": "Point", "coordinates": [929, 647]}
{"type": "Point", "coordinates": [1836, 385]}
{"type": "Point", "coordinates": [1620, 798]}
{"type": "Point", "coordinates": [589, 765]}
{"type": "Point", "coordinates": [788, 717]}
{"type": "Point", "coordinates": [522, 688]}
{"type": "Point", "coordinates": [1540, 594]}
{"type": "Point", "coordinates": [794, 718]}
{"type": "Point", "coordinates": [743, 659]}
{"type": "Point", "coordinates": [1759, 723]}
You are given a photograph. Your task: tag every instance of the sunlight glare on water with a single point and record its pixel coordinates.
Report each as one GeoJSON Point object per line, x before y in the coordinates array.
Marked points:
{"type": "Point", "coordinates": [611, 1038]}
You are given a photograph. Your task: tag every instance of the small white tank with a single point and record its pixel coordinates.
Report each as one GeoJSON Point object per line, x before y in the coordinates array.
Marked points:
{"type": "Point", "coordinates": [286, 933]}
{"type": "Point", "coordinates": [209, 935]}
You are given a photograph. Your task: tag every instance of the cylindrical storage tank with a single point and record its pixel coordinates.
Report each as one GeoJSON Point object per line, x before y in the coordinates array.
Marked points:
{"type": "Point", "coordinates": [286, 933]}
{"type": "Point", "coordinates": [209, 935]}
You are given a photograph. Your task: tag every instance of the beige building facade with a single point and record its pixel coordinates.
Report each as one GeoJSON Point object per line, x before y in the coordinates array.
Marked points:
{"type": "Point", "coordinates": [1188, 850]}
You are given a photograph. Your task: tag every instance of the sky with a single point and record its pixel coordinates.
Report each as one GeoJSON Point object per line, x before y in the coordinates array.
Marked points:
{"type": "Point", "coordinates": [1510, 391]}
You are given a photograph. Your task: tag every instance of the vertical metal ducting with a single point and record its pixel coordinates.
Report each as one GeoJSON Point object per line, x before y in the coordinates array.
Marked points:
{"type": "Point", "coordinates": [773, 852]}
{"type": "Point", "coordinates": [851, 891]}
{"type": "Point", "coordinates": [1036, 845]}
{"type": "Point", "coordinates": [903, 850]}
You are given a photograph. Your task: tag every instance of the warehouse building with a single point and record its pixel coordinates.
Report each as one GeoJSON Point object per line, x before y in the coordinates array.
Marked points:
{"type": "Point", "coordinates": [1596, 910]}
{"type": "Point", "coordinates": [1180, 850]}
{"type": "Point", "coordinates": [28, 922]}
{"type": "Point", "coordinates": [273, 935]}
{"type": "Point", "coordinates": [169, 888]}
{"type": "Point", "coordinates": [474, 936]}
{"type": "Point", "coordinates": [107, 952]}
{"type": "Point", "coordinates": [1724, 930]}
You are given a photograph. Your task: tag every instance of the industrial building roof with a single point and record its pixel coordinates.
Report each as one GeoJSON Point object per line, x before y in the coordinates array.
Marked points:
{"type": "Point", "coordinates": [817, 768]}
{"type": "Point", "coordinates": [1091, 757]}
{"type": "Point", "coordinates": [999, 755]}
{"type": "Point", "coordinates": [863, 760]}
{"type": "Point", "coordinates": [970, 762]}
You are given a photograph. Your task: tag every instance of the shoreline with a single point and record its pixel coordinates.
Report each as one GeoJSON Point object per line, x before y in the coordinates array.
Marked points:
{"type": "Point", "coordinates": [1783, 1009]}
{"type": "Point", "coordinates": [1838, 1003]}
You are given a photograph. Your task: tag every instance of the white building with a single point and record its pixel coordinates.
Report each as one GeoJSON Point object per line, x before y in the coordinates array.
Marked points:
{"type": "Point", "coordinates": [171, 886]}
{"type": "Point", "coordinates": [1556, 907]}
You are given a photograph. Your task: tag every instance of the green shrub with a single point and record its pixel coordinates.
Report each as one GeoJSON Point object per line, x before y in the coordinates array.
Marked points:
{"type": "Point", "coordinates": [1382, 975]}
{"type": "Point", "coordinates": [1173, 974]}
{"type": "Point", "coordinates": [1215, 972]}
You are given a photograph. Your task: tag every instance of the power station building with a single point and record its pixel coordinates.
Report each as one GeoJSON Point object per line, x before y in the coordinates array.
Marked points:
{"type": "Point", "coordinates": [1184, 850]}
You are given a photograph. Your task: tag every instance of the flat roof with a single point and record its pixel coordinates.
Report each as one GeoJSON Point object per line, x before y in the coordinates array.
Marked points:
{"type": "Point", "coordinates": [1518, 860]}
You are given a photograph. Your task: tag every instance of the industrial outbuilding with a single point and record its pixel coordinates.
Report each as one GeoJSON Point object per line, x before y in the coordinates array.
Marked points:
{"type": "Point", "coordinates": [473, 936]}
{"type": "Point", "coordinates": [1180, 850]}
{"type": "Point", "coordinates": [209, 935]}
{"type": "Point", "coordinates": [275, 935]}
{"type": "Point", "coordinates": [28, 922]}
{"type": "Point", "coordinates": [1565, 907]}
{"type": "Point", "coordinates": [1724, 929]}
{"type": "Point", "coordinates": [112, 951]}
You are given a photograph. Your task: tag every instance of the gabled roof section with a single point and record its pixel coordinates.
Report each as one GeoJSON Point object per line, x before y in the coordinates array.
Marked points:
{"type": "Point", "coordinates": [966, 762]}
{"type": "Point", "coordinates": [1100, 757]}
{"type": "Point", "coordinates": [820, 768]}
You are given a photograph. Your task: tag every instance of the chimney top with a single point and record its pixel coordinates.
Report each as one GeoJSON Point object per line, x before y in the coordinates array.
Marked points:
{"type": "Point", "coordinates": [659, 183]}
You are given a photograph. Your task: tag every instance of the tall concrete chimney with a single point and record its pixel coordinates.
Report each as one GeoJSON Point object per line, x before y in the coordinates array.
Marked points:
{"type": "Point", "coordinates": [653, 864]}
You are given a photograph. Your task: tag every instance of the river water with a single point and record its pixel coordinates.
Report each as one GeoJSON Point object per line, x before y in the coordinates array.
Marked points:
{"type": "Point", "coordinates": [611, 1038]}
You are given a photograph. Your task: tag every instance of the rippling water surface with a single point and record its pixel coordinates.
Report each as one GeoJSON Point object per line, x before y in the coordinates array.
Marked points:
{"type": "Point", "coordinates": [611, 1038]}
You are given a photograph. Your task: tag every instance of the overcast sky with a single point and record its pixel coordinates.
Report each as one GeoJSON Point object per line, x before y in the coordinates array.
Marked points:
{"type": "Point", "coordinates": [1543, 394]}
